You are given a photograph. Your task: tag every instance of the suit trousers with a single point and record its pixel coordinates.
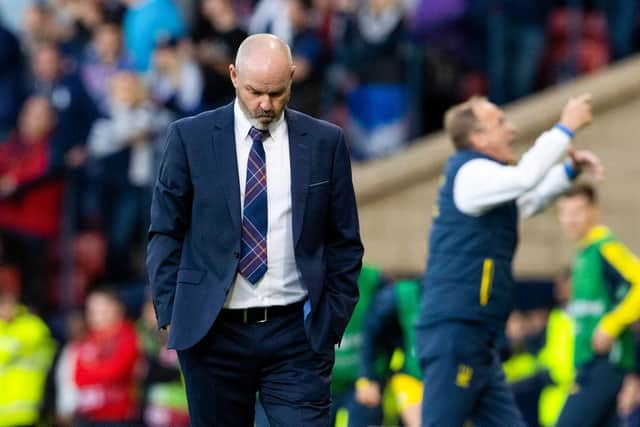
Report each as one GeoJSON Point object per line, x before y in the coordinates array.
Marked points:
{"type": "Point", "coordinates": [235, 360]}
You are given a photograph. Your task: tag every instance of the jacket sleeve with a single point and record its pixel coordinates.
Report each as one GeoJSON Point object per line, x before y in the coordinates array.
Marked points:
{"type": "Point", "coordinates": [622, 267]}
{"type": "Point", "coordinates": [343, 248]}
{"type": "Point", "coordinates": [170, 218]}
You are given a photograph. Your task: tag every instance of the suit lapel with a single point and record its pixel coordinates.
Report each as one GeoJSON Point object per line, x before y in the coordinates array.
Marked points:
{"type": "Point", "coordinates": [300, 154]}
{"type": "Point", "coordinates": [224, 145]}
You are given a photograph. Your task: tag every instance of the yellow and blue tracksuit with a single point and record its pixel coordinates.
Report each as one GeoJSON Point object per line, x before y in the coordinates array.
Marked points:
{"type": "Point", "coordinates": [467, 296]}
{"type": "Point", "coordinates": [605, 282]}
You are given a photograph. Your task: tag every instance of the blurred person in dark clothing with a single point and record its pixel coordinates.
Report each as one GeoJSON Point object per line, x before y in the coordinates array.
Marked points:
{"type": "Point", "coordinates": [217, 38]}
{"type": "Point", "coordinates": [390, 322]}
{"type": "Point", "coordinates": [77, 20]}
{"type": "Point", "coordinates": [622, 23]}
{"type": "Point", "coordinates": [516, 41]}
{"type": "Point", "coordinates": [306, 48]}
{"type": "Point", "coordinates": [175, 80]}
{"type": "Point", "coordinates": [75, 109]}
{"type": "Point", "coordinates": [30, 199]}
{"type": "Point", "coordinates": [376, 95]}
{"type": "Point", "coordinates": [11, 80]}
{"type": "Point", "coordinates": [102, 61]}
{"type": "Point", "coordinates": [105, 366]}
{"type": "Point", "coordinates": [76, 112]}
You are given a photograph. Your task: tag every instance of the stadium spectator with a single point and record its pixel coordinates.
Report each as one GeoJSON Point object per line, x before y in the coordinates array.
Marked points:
{"type": "Point", "coordinates": [145, 22]}
{"type": "Point", "coordinates": [39, 26]}
{"type": "Point", "coordinates": [376, 96]}
{"type": "Point", "coordinates": [12, 14]}
{"type": "Point", "coordinates": [66, 391]}
{"type": "Point", "coordinates": [74, 107]}
{"type": "Point", "coordinates": [622, 24]}
{"type": "Point", "coordinates": [267, 18]}
{"type": "Point", "coordinates": [307, 50]}
{"type": "Point", "coordinates": [11, 81]}
{"type": "Point", "coordinates": [26, 354]}
{"type": "Point", "coordinates": [605, 300]}
{"type": "Point", "coordinates": [121, 148]}
{"type": "Point", "coordinates": [105, 367]}
{"type": "Point", "coordinates": [30, 199]}
{"type": "Point", "coordinates": [467, 297]}
{"type": "Point", "coordinates": [516, 41]}
{"type": "Point", "coordinates": [78, 21]}
{"type": "Point", "coordinates": [175, 80]}
{"type": "Point", "coordinates": [217, 38]}
{"type": "Point", "coordinates": [104, 58]}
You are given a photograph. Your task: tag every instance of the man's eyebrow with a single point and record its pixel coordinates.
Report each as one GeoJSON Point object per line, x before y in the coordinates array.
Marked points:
{"type": "Point", "coordinates": [275, 91]}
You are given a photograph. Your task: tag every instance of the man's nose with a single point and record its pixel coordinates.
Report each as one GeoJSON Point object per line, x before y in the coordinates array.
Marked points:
{"type": "Point", "coordinates": [265, 103]}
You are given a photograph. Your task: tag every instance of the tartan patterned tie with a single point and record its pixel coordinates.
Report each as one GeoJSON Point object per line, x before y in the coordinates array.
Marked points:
{"type": "Point", "coordinates": [253, 254]}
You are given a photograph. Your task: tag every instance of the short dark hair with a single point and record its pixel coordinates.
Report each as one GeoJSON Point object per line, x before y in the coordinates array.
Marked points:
{"type": "Point", "coordinates": [585, 190]}
{"type": "Point", "coordinates": [460, 120]}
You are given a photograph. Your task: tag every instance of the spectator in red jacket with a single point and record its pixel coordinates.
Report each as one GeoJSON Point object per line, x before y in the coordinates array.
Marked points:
{"type": "Point", "coordinates": [30, 198]}
{"type": "Point", "coordinates": [106, 365]}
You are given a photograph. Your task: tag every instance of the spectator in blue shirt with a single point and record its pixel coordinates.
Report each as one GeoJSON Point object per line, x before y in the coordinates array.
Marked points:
{"type": "Point", "coordinates": [145, 21]}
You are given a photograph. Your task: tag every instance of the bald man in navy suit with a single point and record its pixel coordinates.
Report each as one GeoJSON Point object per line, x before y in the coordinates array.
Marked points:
{"type": "Point", "coordinates": [254, 249]}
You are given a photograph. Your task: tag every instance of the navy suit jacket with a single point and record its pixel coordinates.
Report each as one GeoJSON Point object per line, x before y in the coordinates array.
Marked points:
{"type": "Point", "coordinates": [195, 232]}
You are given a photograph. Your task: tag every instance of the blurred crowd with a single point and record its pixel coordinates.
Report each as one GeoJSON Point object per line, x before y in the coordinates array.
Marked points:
{"type": "Point", "coordinates": [87, 88]}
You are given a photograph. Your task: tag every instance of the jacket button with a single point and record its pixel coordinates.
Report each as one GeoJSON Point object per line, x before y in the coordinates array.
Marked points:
{"type": "Point", "coordinates": [236, 254]}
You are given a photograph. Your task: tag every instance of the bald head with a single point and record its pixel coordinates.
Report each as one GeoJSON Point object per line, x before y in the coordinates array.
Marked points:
{"type": "Point", "coordinates": [263, 50]}
{"type": "Point", "coordinates": [262, 77]}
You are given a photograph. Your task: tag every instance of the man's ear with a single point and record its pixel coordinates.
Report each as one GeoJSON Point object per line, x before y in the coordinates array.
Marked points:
{"type": "Point", "coordinates": [233, 73]}
{"type": "Point", "coordinates": [475, 140]}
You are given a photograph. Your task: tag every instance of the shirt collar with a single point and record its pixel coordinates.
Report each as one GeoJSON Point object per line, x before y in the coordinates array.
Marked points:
{"type": "Point", "coordinates": [243, 124]}
{"type": "Point", "coordinates": [596, 233]}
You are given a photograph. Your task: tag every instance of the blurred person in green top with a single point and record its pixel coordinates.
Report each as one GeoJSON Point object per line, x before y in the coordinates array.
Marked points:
{"type": "Point", "coordinates": [26, 353]}
{"type": "Point", "coordinates": [346, 410]}
{"type": "Point", "coordinates": [164, 395]}
{"type": "Point", "coordinates": [605, 300]}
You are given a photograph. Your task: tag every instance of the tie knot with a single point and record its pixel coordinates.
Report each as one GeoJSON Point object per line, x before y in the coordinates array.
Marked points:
{"type": "Point", "coordinates": [258, 134]}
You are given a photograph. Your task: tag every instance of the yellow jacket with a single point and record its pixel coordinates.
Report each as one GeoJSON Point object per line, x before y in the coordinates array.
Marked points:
{"type": "Point", "coordinates": [26, 353]}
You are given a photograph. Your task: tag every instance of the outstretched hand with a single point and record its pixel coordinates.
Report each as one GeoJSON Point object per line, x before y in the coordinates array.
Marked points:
{"type": "Point", "coordinates": [587, 161]}
{"type": "Point", "coordinates": [577, 113]}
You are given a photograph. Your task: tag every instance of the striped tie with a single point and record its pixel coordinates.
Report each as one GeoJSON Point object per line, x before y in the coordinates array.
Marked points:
{"type": "Point", "coordinates": [253, 255]}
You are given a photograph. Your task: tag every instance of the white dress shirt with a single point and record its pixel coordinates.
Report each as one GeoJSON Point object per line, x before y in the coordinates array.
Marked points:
{"type": "Point", "coordinates": [281, 284]}
{"type": "Point", "coordinates": [534, 182]}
